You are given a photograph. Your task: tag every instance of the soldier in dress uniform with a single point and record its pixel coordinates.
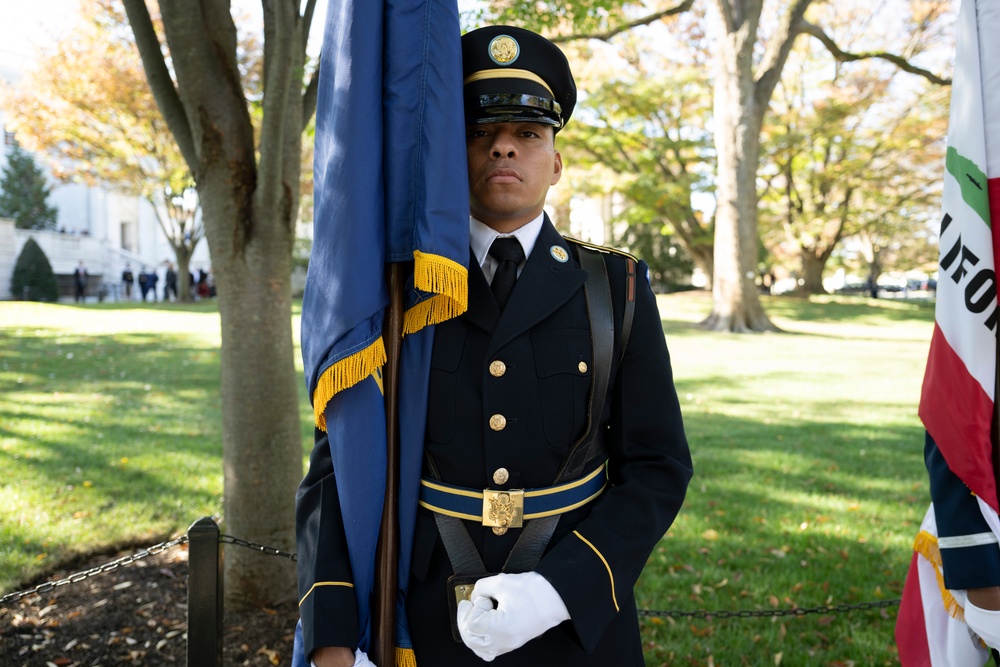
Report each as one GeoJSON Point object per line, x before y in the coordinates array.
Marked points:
{"type": "Point", "coordinates": [970, 559]}
{"type": "Point", "coordinates": [555, 451]}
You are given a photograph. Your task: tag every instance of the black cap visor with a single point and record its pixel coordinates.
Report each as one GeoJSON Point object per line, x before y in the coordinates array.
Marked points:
{"type": "Point", "coordinates": [511, 107]}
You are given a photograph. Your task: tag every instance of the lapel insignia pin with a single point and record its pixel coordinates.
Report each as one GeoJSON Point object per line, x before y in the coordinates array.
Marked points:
{"type": "Point", "coordinates": [559, 253]}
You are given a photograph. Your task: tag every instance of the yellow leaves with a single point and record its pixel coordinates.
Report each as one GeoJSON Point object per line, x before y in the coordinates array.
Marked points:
{"type": "Point", "coordinates": [87, 484]}
{"type": "Point", "coordinates": [711, 535]}
{"type": "Point", "coordinates": [272, 656]}
{"type": "Point", "coordinates": [707, 631]}
{"type": "Point", "coordinates": [777, 657]}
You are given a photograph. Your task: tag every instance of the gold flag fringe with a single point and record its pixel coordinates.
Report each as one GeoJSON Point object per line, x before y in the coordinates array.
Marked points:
{"type": "Point", "coordinates": [343, 374]}
{"type": "Point", "coordinates": [926, 545]}
{"type": "Point", "coordinates": [447, 280]}
{"type": "Point", "coordinates": [405, 657]}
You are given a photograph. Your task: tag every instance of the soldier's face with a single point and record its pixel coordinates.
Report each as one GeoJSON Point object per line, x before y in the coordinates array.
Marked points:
{"type": "Point", "coordinates": [511, 166]}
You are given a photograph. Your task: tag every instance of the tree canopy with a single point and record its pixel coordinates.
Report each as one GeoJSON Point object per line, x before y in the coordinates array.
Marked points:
{"type": "Point", "coordinates": [86, 105]}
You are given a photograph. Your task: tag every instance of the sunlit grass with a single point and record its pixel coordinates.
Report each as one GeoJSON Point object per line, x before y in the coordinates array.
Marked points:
{"type": "Point", "coordinates": [809, 482]}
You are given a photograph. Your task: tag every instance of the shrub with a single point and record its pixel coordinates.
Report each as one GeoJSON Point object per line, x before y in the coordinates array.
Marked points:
{"type": "Point", "coordinates": [33, 278]}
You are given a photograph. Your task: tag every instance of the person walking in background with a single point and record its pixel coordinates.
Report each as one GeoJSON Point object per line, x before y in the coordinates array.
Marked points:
{"type": "Point", "coordinates": [128, 280]}
{"type": "Point", "coordinates": [202, 289]}
{"type": "Point", "coordinates": [143, 283]}
{"type": "Point", "coordinates": [80, 282]}
{"type": "Point", "coordinates": [170, 283]}
{"type": "Point", "coordinates": [151, 281]}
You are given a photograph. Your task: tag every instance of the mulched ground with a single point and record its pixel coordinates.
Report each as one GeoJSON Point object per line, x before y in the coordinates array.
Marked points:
{"type": "Point", "coordinates": [134, 615]}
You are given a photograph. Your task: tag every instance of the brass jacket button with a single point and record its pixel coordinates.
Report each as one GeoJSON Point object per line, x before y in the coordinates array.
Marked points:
{"type": "Point", "coordinates": [583, 366]}
{"type": "Point", "coordinates": [498, 368]}
{"type": "Point", "coordinates": [498, 422]}
{"type": "Point", "coordinates": [500, 476]}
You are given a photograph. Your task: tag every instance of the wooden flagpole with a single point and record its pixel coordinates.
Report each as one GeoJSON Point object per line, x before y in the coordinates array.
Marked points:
{"type": "Point", "coordinates": [387, 554]}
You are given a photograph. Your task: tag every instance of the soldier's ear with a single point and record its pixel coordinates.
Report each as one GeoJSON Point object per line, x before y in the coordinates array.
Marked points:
{"type": "Point", "coordinates": [556, 168]}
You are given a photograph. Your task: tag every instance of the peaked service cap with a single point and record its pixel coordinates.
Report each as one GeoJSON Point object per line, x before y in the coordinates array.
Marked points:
{"type": "Point", "coordinates": [513, 74]}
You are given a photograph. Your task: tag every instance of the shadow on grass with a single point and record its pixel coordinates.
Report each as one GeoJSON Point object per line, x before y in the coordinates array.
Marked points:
{"type": "Point", "coordinates": [780, 516]}
{"type": "Point", "coordinates": [822, 309]}
{"type": "Point", "coordinates": [101, 435]}
{"type": "Point", "coordinates": [203, 306]}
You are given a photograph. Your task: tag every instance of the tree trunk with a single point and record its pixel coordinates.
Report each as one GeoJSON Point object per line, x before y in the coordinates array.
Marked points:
{"type": "Point", "coordinates": [736, 306]}
{"type": "Point", "coordinates": [249, 211]}
{"type": "Point", "coordinates": [812, 273]}
{"type": "Point", "coordinates": [703, 258]}
{"type": "Point", "coordinates": [183, 255]}
{"type": "Point", "coordinates": [262, 436]}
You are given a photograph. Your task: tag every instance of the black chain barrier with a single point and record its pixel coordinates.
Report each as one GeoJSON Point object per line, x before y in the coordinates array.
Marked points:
{"type": "Point", "coordinates": [768, 613]}
{"type": "Point", "coordinates": [94, 571]}
{"type": "Point", "coordinates": [272, 551]}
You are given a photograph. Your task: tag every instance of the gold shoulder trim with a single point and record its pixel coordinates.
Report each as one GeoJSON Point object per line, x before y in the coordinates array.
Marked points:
{"type": "Point", "coordinates": [601, 248]}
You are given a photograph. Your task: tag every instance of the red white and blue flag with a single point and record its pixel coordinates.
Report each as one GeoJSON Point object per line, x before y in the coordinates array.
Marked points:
{"type": "Point", "coordinates": [958, 395]}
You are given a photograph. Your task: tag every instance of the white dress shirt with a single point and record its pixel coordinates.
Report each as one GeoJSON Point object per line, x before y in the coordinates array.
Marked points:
{"type": "Point", "coordinates": [481, 237]}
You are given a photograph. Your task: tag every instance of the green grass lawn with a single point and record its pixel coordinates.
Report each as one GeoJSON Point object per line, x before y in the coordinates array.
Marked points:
{"type": "Point", "coordinates": [809, 481]}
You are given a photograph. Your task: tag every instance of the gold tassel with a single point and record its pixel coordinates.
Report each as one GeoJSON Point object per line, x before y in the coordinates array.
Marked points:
{"type": "Point", "coordinates": [447, 280]}
{"type": "Point", "coordinates": [343, 374]}
{"type": "Point", "coordinates": [405, 657]}
{"type": "Point", "coordinates": [926, 545]}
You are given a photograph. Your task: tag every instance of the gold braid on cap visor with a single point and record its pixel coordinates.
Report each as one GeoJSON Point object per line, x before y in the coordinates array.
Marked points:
{"type": "Point", "coordinates": [485, 74]}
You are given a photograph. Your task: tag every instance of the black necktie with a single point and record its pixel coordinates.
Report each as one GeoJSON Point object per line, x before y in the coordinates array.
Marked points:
{"type": "Point", "coordinates": [509, 254]}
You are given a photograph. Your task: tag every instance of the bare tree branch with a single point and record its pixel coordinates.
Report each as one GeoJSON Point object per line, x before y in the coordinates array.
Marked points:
{"type": "Point", "coordinates": [778, 49]}
{"type": "Point", "coordinates": [843, 56]}
{"type": "Point", "coordinates": [164, 91]}
{"type": "Point", "coordinates": [312, 88]}
{"type": "Point", "coordinates": [280, 25]}
{"type": "Point", "coordinates": [680, 8]}
{"type": "Point", "coordinates": [310, 95]}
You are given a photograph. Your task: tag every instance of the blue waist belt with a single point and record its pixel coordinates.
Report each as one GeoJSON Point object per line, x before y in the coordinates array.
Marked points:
{"type": "Point", "coordinates": [509, 508]}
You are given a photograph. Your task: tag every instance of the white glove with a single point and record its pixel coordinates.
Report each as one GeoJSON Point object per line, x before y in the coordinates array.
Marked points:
{"type": "Point", "coordinates": [360, 660]}
{"type": "Point", "coordinates": [984, 622]}
{"type": "Point", "coordinates": [526, 606]}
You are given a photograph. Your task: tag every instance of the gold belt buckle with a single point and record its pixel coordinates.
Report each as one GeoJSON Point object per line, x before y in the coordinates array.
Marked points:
{"type": "Point", "coordinates": [503, 509]}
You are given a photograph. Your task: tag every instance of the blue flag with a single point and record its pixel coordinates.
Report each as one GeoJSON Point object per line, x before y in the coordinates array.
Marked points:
{"type": "Point", "coordinates": [391, 185]}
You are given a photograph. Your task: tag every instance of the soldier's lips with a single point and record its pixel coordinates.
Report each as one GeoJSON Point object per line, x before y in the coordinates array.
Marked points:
{"type": "Point", "coordinates": [503, 176]}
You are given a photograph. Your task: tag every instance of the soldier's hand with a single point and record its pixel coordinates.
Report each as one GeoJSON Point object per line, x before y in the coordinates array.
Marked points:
{"type": "Point", "coordinates": [982, 614]}
{"type": "Point", "coordinates": [506, 611]}
{"type": "Point", "coordinates": [339, 656]}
